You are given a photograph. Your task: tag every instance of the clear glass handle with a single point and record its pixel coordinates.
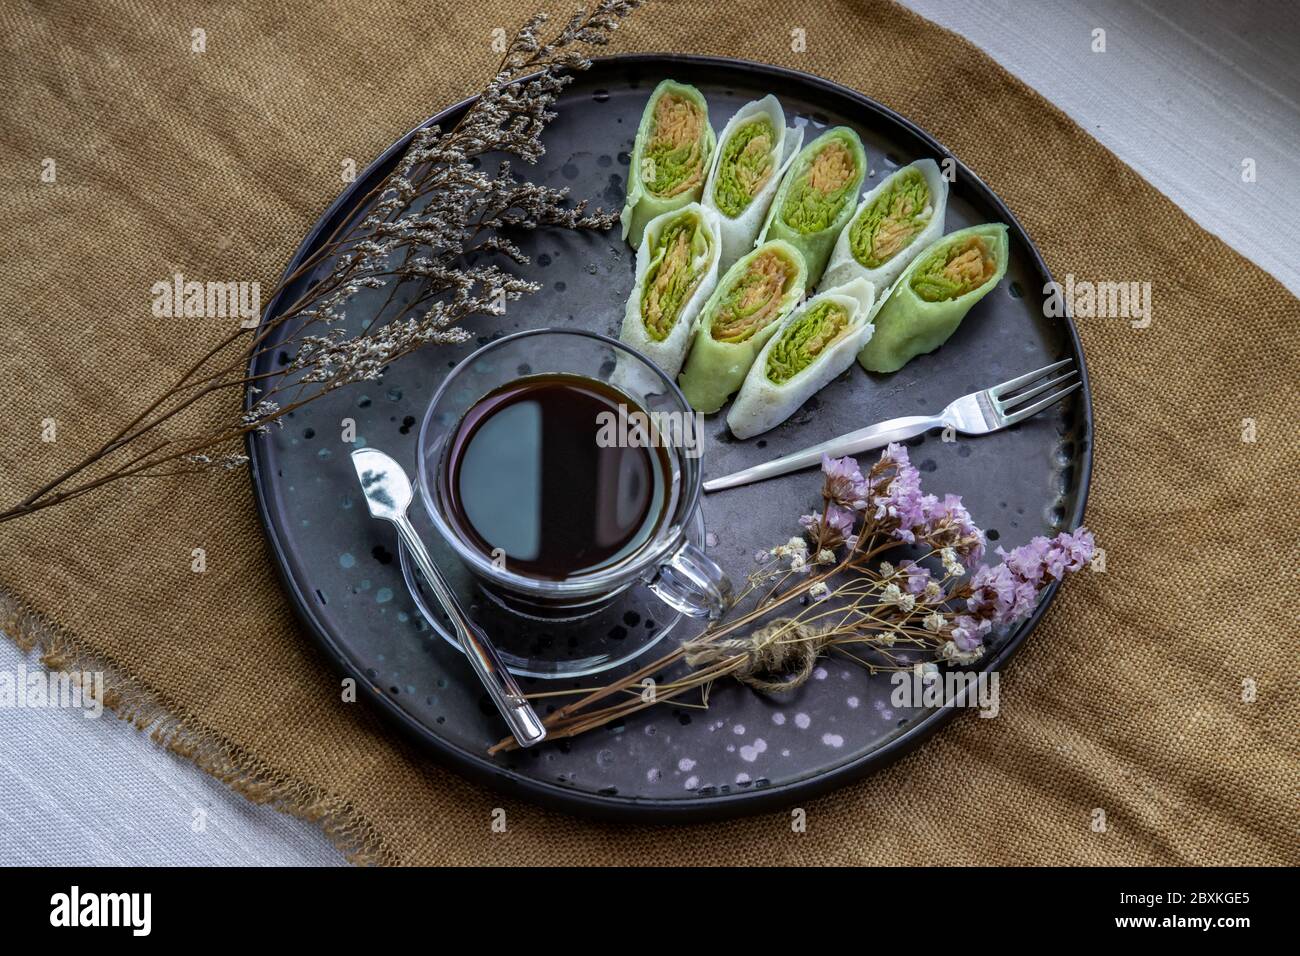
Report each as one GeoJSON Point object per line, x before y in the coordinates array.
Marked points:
{"type": "Point", "coordinates": [692, 583]}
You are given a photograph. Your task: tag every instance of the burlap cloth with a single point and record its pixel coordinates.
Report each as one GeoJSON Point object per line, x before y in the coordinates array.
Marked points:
{"type": "Point", "coordinates": [1129, 698]}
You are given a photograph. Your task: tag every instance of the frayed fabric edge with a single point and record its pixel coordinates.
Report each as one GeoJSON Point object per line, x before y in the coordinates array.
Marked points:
{"type": "Point", "coordinates": [180, 732]}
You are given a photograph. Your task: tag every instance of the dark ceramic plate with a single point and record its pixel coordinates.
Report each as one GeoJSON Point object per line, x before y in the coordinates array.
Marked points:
{"type": "Point", "coordinates": [746, 752]}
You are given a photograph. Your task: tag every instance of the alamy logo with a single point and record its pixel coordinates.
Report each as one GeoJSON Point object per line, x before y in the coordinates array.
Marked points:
{"type": "Point", "coordinates": [1083, 299]}
{"type": "Point", "coordinates": [182, 299]}
{"type": "Point", "coordinates": [103, 909]}
{"type": "Point", "coordinates": [75, 690]}
{"type": "Point", "coordinates": [928, 688]}
{"type": "Point", "coordinates": [633, 428]}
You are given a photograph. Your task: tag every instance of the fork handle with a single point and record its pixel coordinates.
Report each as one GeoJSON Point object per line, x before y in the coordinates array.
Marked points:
{"type": "Point", "coordinates": [864, 439]}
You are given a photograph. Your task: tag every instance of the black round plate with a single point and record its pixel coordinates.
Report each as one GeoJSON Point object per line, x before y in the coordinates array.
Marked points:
{"type": "Point", "coordinates": [745, 752]}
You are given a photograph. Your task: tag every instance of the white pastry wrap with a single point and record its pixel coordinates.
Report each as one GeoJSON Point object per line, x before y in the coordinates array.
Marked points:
{"type": "Point", "coordinates": [739, 231]}
{"type": "Point", "coordinates": [661, 251]}
{"type": "Point", "coordinates": [669, 165]}
{"type": "Point", "coordinates": [845, 265]}
{"type": "Point", "coordinates": [762, 403]}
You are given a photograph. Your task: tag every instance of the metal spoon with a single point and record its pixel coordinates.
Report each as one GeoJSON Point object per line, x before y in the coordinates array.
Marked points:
{"type": "Point", "coordinates": [388, 495]}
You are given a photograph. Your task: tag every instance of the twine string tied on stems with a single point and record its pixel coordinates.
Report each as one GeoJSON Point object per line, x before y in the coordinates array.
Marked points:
{"type": "Point", "coordinates": [777, 657]}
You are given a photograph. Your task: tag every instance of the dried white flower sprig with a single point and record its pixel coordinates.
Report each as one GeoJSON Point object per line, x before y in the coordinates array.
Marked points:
{"type": "Point", "coordinates": [430, 231]}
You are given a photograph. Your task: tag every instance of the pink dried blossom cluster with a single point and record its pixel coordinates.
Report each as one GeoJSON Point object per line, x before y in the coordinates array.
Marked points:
{"type": "Point", "coordinates": [888, 502]}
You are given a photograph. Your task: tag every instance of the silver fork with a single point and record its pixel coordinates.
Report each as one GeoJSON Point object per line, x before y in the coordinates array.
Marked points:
{"type": "Point", "coordinates": [978, 413]}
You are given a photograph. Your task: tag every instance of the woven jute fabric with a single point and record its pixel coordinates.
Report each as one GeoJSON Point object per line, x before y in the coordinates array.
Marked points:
{"type": "Point", "coordinates": [1133, 699]}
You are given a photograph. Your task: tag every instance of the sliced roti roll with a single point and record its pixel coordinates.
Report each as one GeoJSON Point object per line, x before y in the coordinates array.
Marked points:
{"type": "Point", "coordinates": [753, 153]}
{"type": "Point", "coordinates": [891, 226]}
{"type": "Point", "coordinates": [813, 346]}
{"type": "Point", "coordinates": [817, 196]}
{"type": "Point", "coordinates": [670, 158]}
{"type": "Point", "coordinates": [743, 312]}
{"type": "Point", "coordinates": [676, 271]}
{"type": "Point", "coordinates": [933, 295]}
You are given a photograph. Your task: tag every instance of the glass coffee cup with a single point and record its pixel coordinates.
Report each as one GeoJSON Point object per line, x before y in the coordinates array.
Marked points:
{"type": "Point", "coordinates": [563, 468]}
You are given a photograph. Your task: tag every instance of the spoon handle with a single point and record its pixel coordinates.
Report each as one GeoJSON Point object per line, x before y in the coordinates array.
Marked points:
{"type": "Point", "coordinates": [500, 683]}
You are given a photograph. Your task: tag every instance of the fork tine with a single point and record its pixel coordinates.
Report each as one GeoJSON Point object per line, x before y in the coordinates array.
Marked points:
{"type": "Point", "coordinates": [1034, 409]}
{"type": "Point", "coordinates": [1008, 403]}
{"type": "Point", "coordinates": [999, 390]}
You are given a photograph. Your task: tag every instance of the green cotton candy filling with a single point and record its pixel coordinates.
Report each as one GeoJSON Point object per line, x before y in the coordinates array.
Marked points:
{"type": "Point", "coordinates": [672, 276]}
{"type": "Point", "coordinates": [754, 300]}
{"type": "Point", "coordinates": [804, 339]}
{"type": "Point", "coordinates": [954, 269]}
{"type": "Point", "coordinates": [819, 191]}
{"type": "Point", "coordinates": [892, 221]}
{"type": "Point", "coordinates": [745, 167]}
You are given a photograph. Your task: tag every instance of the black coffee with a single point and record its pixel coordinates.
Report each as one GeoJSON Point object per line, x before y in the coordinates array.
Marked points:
{"type": "Point", "coordinates": [525, 478]}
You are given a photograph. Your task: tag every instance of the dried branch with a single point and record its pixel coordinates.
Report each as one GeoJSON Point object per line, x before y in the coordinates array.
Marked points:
{"type": "Point", "coordinates": [427, 230]}
{"type": "Point", "coordinates": [831, 592]}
